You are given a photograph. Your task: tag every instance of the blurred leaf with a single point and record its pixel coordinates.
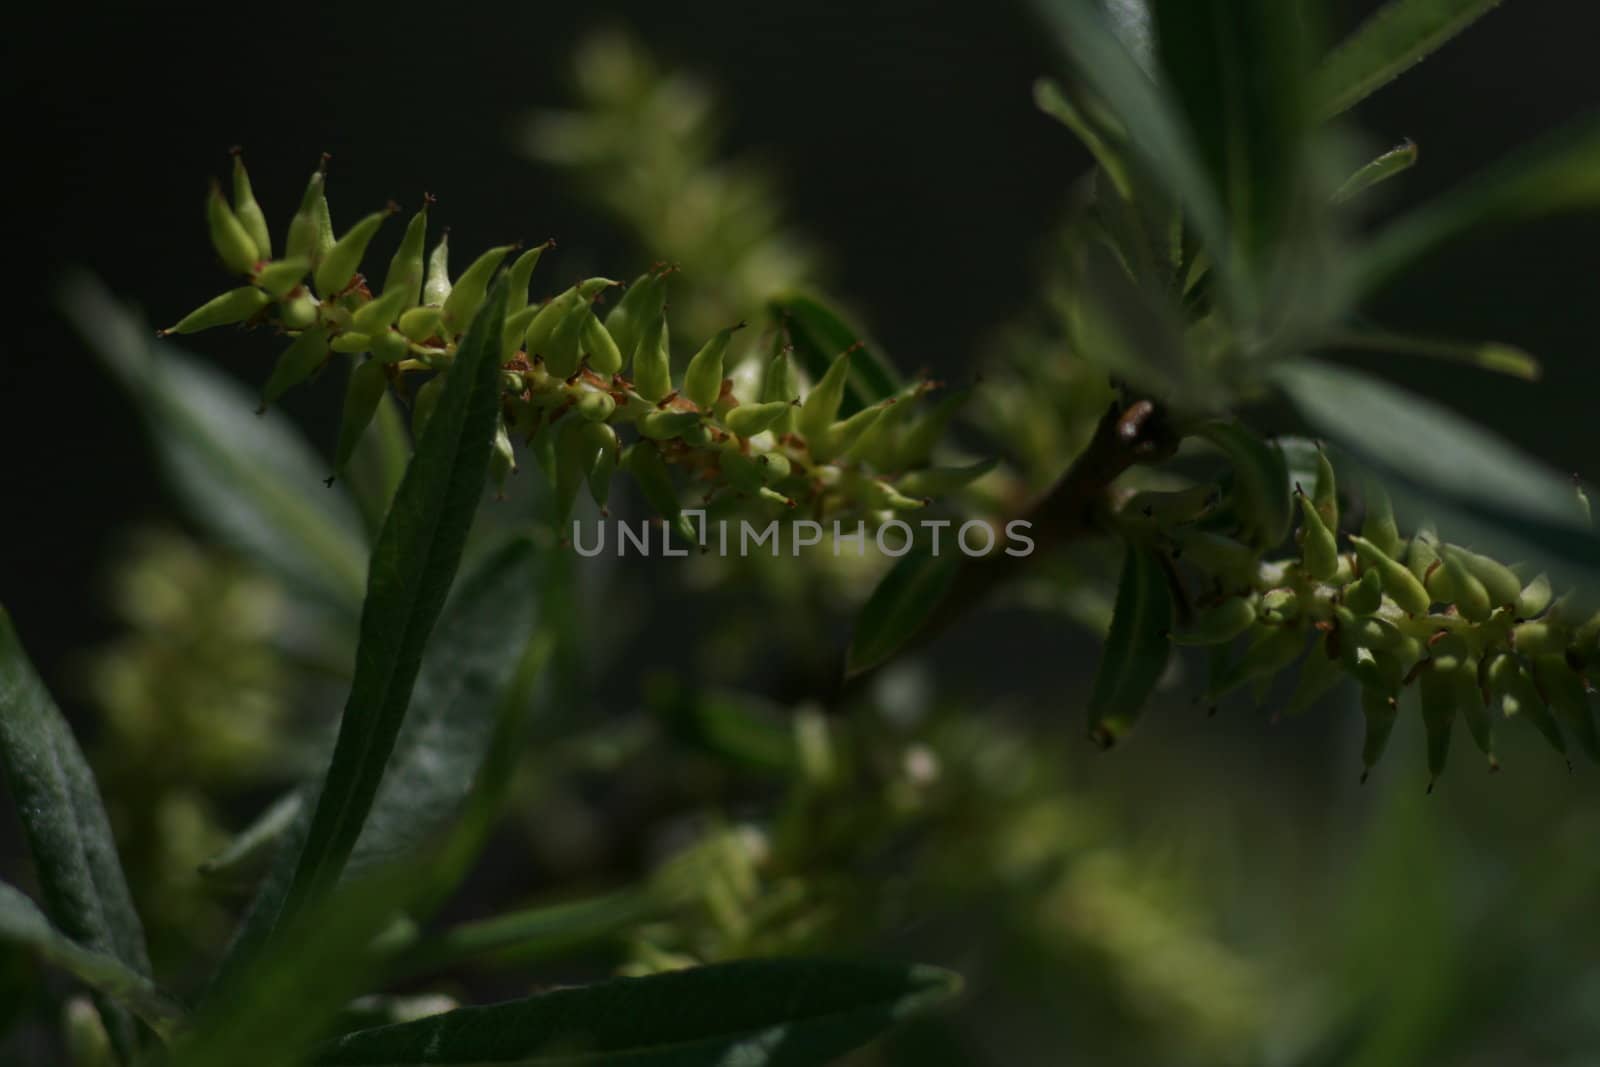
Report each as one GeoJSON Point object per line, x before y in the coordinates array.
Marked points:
{"type": "Point", "coordinates": [1136, 649]}
{"type": "Point", "coordinates": [1050, 98]}
{"type": "Point", "coordinates": [24, 924]}
{"type": "Point", "coordinates": [735, 727]}
{"type": "Point", "coordinates": [1236, 70]}
{"type": "Point", "coordinates": [1393, 40]}
{"type": "Point", "coordinates": [413, 566]}
{"type": "Point", "coordinates": [250, 853]}
{"type": "Point", "coordinates": [899, 606]}
{"type": "Point", "coordinates": [1560, 173]}
{"type": "Point", "coordinates": [380, 462]}
{"type": "Point", "coordinates": [446, 738]}
{"type": "Point", "coordinates": [1397, 160]}
{"type": "Point", "coordinates": [66, 827]}
{"type": "Point", "coordinates": [1481, 490]}
{"type": "Point", "coordinates": [251, 480]}
{"type": "Point", "coordinates": [819, 334]}
{"type": "Point", "coordinates": [1487, 355]}
{"type": "Point", "coordinates": [756, 1013]}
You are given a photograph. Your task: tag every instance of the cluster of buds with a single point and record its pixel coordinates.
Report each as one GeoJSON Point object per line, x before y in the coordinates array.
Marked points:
{"type": "Point", "coordinates": [571, 379]}
{"type": "Point", "coordinates": [1461, 628]}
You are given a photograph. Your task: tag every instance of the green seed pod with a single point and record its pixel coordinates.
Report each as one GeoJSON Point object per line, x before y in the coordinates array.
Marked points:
{"type": "Point", "coordinates": [1379, 526]}
{"type": "Point", "coordinates": [821, 404]}
{"type": "Point", "coordinates": [702, 380]}
{"type": "Point", "coordinates": [740, 471]}
{"type": "Point", "coordinates": [562, 355]}
{"type": "Point", "coordinates": [299, 312]}
{"type": "Point", "coordinates": [605, 358]}
{"type": "Point", "coordinates": [1380, 711]}
{"type": "Point", "coordinates": [1175, 507]}
{"type": "Point", "coordinates": [608, 450]}
{"type": "Point", "coordinates": [380, 314]}
{"type": "Point", "coordinates": [298, 362]}
{"type": "Point", "coordinates": [519, 277]}
{"type": "Point", "coordinates": [1538, 639]}
{"type": "Point", "coordinates": [545, 320]}
{"type": "Point", "coordinates": [1218, 624]}
{"type": "Point", "coordinates": [595, 406]}
{"type": "Point", "coordinates": [1319, 673]}
{"type": "Point", "coordinates": [775, 467]}
{"type": "Point", "coordinates": [389, 346]}
{"type": "Point", "coordinates": [419, 323]}
{"type": "Point", "coordinates": [1499, 581]}
{"type": "Point", "coordinates": [1475, 713]}
{"type": "Point", "coordinates": [643, 460]}
{"type": "Point", "coordinates": [232, 241]}
{"type": "Point", "coordinates": [336, 269]}
{"type": "Point", "coordinates": [1231, 562]}
{"type": "Point", "coordinates": [1325, 494]}
{"type": "Point", "coordinates": [1402, 586]}
{"type": "Point", "coordinates": [661, 425]}
{"type": "Point", "coordinates": [303, 238]}
{"type": "Point", "coordinates": [406, 267]}
{"type": "Point", "coordinates": [643, 302]}
{"type": "Point", "coordinates": [1319, 549]}
{"type": "Point", "coordinates": [652, 361]}
{"type": "Point", "coordinates": [1365, 596]}
{"type": "Point", "coordinates": [365, 391]}
{"type": "Point", "coordinates": [436, 284]}
{"type": "Point", "coordinates": [466, 295]}
{"type": "Point", "coordinates": [247, 211]}
{"type": "Point", "coordinates": [879, 495]}
{"type": "Point", "coordinates": [1506, 677]}
{"type": "Point", "coordinates": [1273, 648]}
{"type": "Point", "coordinates": [1563, 688]}
{"type": "Point", "coordinates": [1534, 598]}
{"type": "Point", "coordinates": [1439, 694]}
{"type": "Point", "coordinates": [1260, 482]}
{"type": "Point", "coordinates": [781, 383]}
{"type": "Point", "coordinates": [838, 438]}
{"type": "Point", "coordinates": [1279, 606]}
{"type": "Point", "coordinates": [515, 329]}
{"type": "Point", "coordinates": [747, 420]}
{"type": "Point", "coordinates": [502, 460]}
{"type": "Point", "coordinates": [941, 481]}
{"type": "Point", "coordinates": [236, 305]}
{"type": "Point", "coordinates": [350, 344]}
{"type": "Point", "coordinates": [1470, 596]}
{"type": "Point", "coordinates": [282, 276]}
{"type": "Point", "coordinates": [1422, 555]}
{"type": "Point", "coordinates": [424, 402]}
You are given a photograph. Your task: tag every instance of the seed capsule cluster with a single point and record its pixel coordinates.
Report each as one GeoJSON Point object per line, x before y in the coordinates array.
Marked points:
{"type": "Point", "coordinates": [572, 379]}
{"type": "Point", "coordinates": [1461, 629]}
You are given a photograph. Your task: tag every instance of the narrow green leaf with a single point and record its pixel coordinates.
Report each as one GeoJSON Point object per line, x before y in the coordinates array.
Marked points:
{"type": "Point", "coordinates": [819, 334]}
{"type": "Point", "coordinates": [1484, 491]}
{"type": "Point", "coordinates": [1487, 355]}
{"type": "Point", "coordinates": [1560, 173]}
{"type": "Point", "coordinates": [1397, 160]}
{"type": "Point", "coordinates": [24, 924]}
{"type": "Point", "coordinates": [250, 853]}
{"type": "Point", "coordinates": [755, 1013]}
{"type": "Point", "coordinates": [1049, 97]}
{"type": "Point", "coordinates": [413, 565]}
{"type": "Point", "coordinates": [1136, 648]}
{"type": "Point", "coordinates": [1392, 41]}
{"type": "Point", "coordinates": [740, 729]}
{"type": "Point", "coordinates": [898, 607]}
{"type": "Point", "coordinates": [66, 827]}
{"type": "Point", "coordinates": [251, 481]}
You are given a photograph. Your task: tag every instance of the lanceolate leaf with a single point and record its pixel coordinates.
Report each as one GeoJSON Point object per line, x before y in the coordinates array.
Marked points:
{"type": "Point", "coordinates": [21, 922]}
{"type": "Point", "coordinates": [1397, 160]}
{"type": "Point", "coordinates": [898, 607]}
{"type": "Point", "coordinates": [819, 335]}
{"type": "Point", "coordinates": [413, 566]}
{"type": "Point", "coordinates": [1489, 494]}
{"type": "Point", "coordinates": [1396, 38]}
{"type": "Point", "coordinates": [251, 480]}
{"type": "Point", "coordinates": [766, 1013]}
{"type": "Point", "coordinates": [65, 824]}
{"type": "Point", "coordinates": [1136, 649]}
{"type": "Point", "coordinates": [1559, 174]}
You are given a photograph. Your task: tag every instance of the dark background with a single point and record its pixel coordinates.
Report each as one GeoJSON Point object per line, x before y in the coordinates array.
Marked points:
{"type": "Point", "coordinates": [903, 132]}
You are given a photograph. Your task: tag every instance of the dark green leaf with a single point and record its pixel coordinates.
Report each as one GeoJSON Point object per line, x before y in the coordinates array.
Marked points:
{"type": "Point", "coordinates": [738, 728]}
{"type": "Point", "coordinates": [413, 566]}
{"type": "Point", "coordinates": [899, 606]}
{"type": "Point", "coordinates": [1482, 491]}
{"type": "Point", "coordinates": [380, 462]}
{"type": "Point", "coordinates": [756, 1013]}
{"type": "Point", "coordinates": [65, 825]}
{"type": "Point", "coordinates": [1561, 173]}
{"type": "Point", "coordinates": [1136, 649]}
{"type": "Point", "coordinates": [1397, 160]}
{"type": "Point", "coordinates": [1486, 355]}
{"type": "Point", "coordinates": [252, 481]}
{"type": "Point", "coordinates": [24, 924]}
{"type": "Point", "coordinates": [1391, 42]}
{"type": "Point", "coordinates": [819, 334]}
